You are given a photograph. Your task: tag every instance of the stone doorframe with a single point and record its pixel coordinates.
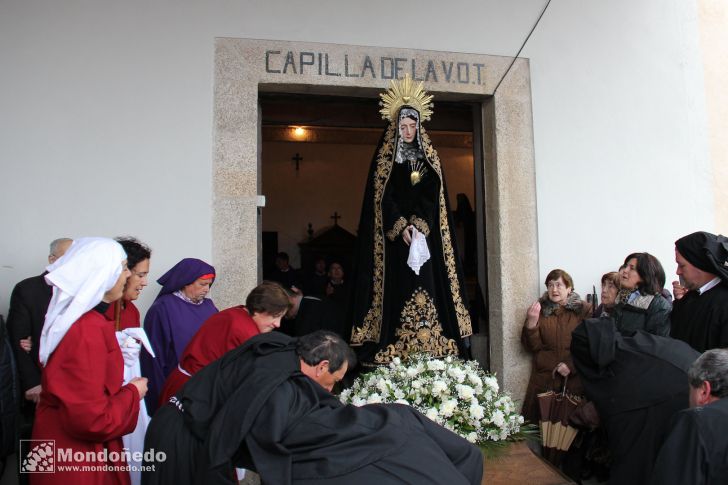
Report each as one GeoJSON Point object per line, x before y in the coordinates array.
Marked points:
{"type": "Point", "coordinates": [243, 67]}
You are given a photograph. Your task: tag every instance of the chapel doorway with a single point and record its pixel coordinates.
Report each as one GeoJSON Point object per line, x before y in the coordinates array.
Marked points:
{"type": "Point", "coordinates": [315, 156]}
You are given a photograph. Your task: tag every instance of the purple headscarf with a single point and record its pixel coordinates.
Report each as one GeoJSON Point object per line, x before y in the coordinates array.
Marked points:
{"type": "Point", "coordinates": [182, 274]}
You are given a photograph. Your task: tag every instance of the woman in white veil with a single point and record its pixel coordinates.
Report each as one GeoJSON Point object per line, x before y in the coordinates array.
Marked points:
{"type": "Point", "coordinates": [84, 409]}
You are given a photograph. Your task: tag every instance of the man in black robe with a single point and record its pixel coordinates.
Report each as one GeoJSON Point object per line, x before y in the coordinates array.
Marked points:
{"type": "Point", "coordinates": [637, 383]}
{"type": "Point", "coordinates": [700, 311]}
{"type": "Point", "coordinates": [267, 406]}
{"type": "Point", "coordinates": [696, 450]}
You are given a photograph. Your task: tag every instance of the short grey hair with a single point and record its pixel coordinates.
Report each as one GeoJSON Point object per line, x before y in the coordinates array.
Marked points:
{"type": "Point", "coordinates": [712, 366]}
{"type": "Point", "coordinates": [57, 242]}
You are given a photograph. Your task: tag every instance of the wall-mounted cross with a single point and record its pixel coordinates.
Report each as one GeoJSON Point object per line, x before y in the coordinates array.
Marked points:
{"type": "Point", "coordinates": [336, 218]}
{"type": "Point", "coordinates": [298, 159]}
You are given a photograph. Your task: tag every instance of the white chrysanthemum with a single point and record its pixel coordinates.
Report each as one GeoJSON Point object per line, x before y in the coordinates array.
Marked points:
{"type": "Point", "coordinates": [399, 394]}
{"type": "Point", "coordinates": [472, 437]}
{"type": "Point", "coordinates": [396, 362]}
{"type": "Point", "coordinates": [358, 401]}
{"type": "Point", "coordinates": [402, 401]}
{"type": "Point", "coordinates": [416, 384]}
{"type": "Point", "coordinates": [412, 371]}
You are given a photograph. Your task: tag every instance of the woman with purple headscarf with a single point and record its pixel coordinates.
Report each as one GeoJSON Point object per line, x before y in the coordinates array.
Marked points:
{"type": "Point", "coordinates": [175, 316]}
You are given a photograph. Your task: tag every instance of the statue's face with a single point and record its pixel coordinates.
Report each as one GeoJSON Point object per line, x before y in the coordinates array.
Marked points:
{"type": "Point", "coordinates": [408, 129]}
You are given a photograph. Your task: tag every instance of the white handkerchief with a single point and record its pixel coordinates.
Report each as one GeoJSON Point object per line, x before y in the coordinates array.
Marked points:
{"type": "Point", "coordinates": [418, 253]}
{"type": "Point", "coordinates": [139, 334]}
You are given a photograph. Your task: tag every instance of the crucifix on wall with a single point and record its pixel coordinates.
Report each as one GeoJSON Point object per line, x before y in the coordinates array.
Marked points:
{"type": "Point", "coordinates": [298, 159]}
{"type": "Point", "coordinates": [336, 218]}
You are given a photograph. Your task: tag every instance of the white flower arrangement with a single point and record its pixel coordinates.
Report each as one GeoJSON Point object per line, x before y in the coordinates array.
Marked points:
{"type": "Point", "coordinates": [454, 393]}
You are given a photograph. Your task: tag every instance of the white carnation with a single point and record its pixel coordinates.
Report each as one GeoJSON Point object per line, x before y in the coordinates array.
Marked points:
{"type": "Point", "coordinates": [382, 386]}
{"type": "Point", "coordinates": [492, 383]}
{"type": "Point", "coordinates": [448, 407]}
{"type": "Point", "coordinates": [465, 392]}
{"type": "Point", "coordinates": [374, 398]}
{"type": "Point", "coordinates": [432, 414]}
{"type": "Point", "coordinates": [456, 373]}
{"type": "Point", "coordinates": [477, 411]}
{"type": "Point", "coordinates": [435, 364]}
{"type": "Point", "coordinates": [439, 387]}
{"type": "Point", "coordinates": [499, 418]}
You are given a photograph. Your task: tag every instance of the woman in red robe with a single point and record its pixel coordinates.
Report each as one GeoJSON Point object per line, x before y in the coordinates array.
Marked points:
{"type": "Point", "coordinates": [84, 409]}
{"type": "Point", "coordinates": [264, 307]}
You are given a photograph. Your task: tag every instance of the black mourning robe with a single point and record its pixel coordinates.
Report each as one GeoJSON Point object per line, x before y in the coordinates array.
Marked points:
{"type": "Point", "coordinates": [254, 408]}
{"type": "Point", "coordinates": [394, 311]}
{"type": "Point", "coordinates": [702, 320]}
{"type": "Point", "coordinates": [696, 450]}
{"type": "Point", "coordinates": [318, 314]}
{"type": "Point", "coordinates": [637, 383]}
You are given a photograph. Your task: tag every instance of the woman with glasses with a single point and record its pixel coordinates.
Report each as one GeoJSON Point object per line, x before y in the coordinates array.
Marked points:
{"type": "Point", "coordinates": [547, 335]}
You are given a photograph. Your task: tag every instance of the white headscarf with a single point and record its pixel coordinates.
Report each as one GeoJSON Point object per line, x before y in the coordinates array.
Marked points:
{"type": "Point", "coordinates": [89, 268]}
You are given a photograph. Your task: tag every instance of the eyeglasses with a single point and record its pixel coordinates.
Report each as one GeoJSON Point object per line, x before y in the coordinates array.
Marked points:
{"type": "Point", "coordinates": [555, 284]}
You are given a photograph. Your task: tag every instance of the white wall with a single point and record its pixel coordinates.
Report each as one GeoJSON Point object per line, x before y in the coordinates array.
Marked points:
{"type": "Point", "coordinates": [106, 116]}
{"type": "Point", "coordinates": [619, 134]}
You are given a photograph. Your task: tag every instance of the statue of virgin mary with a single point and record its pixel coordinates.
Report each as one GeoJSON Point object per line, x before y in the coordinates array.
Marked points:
{"type": "Point", "coordinates": [402, 305]}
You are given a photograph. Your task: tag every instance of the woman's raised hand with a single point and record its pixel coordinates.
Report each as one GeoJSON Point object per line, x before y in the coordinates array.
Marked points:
{"type": "Point", "coordinates": [532, 315]}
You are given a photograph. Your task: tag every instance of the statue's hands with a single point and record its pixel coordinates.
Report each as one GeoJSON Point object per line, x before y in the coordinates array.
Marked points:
{"type": "Point", "coordinates": [407, 234]}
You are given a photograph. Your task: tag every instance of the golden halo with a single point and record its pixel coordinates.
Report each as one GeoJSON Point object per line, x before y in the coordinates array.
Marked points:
{"type": "Point", "coordinates": [405, 93]}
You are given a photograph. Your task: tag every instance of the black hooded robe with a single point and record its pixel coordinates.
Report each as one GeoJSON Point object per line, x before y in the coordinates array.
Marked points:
{"type": "Point", "coordinates": [637, 383]}
{"type": "Point", "coordinates": [701, 320]}
{"type": "Point", "coordinates": [254, 408]}
{"type": "Point", "coordinates": [696, 450]}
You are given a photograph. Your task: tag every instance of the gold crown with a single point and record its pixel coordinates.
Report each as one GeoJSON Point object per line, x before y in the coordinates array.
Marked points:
{"type": "Point", "coordinates": [405, 93]}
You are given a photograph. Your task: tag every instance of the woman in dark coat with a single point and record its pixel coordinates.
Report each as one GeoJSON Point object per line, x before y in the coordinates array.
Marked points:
{"type": "Point", "coordinates": [547, 335]}
{"type": "Point", "coordinates": [640, 304]}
